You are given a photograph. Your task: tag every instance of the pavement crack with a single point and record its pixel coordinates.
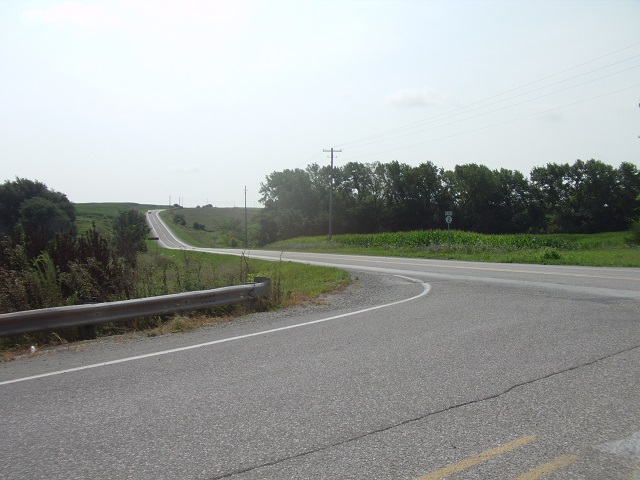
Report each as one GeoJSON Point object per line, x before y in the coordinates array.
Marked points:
{"type": "Point", "coordinates": [421, 417]}
{"type": "Point", "coordinates": [560, 372]}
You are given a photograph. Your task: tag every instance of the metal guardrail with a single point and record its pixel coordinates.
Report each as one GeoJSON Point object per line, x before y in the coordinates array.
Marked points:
{"type": "Point", "coordinates": [92, 314]}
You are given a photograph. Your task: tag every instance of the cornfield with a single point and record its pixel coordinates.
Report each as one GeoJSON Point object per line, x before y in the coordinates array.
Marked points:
{"type": "Point", "coordinates": [437, 240]}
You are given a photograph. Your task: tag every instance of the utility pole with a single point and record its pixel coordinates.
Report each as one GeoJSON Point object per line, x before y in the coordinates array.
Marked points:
{"type": "Point", "coordinates": [331, 191]}
{"type": "Point", "coordinates": [246, 230]}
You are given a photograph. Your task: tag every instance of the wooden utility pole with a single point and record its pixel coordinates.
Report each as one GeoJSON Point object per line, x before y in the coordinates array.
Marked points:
{"type": "Point", "coordinates": [246, 229]}
{"type": "Point", "coordinates": [331, 191]}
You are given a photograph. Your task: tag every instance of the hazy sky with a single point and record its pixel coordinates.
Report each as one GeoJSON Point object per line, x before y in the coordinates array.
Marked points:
{"type": "Point", "coordinates": [152, 101]}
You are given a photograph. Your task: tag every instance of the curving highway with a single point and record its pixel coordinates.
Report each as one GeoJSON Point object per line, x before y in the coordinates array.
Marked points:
{"type": "Point", "coordinates": [423, 370]}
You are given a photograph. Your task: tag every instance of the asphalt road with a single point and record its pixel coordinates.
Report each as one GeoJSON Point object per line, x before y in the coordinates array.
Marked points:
{"type": "Point", "coordinates": [422, 370]}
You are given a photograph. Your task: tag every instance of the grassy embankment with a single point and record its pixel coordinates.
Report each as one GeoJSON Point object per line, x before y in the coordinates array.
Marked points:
{"type": "Point", "coordinates": [223, 227]}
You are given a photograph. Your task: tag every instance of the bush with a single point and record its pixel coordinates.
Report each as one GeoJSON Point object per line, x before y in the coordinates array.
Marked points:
{"type": "Point", "coordinates": [634, 234]}
{"type": "Point", "coordinates": [178, 218]}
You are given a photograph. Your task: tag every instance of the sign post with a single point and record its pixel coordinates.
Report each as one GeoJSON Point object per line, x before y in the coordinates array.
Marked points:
{"type": "Point", "coordinates": [448, 217]}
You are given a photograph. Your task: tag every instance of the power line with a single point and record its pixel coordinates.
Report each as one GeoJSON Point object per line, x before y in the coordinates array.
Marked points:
{"type": "Point", "coordinates": [497, 109]}
{"type": "Point", "coordinates": [497, 123]}
{"type": "Point", "coordinates": [462, 110]}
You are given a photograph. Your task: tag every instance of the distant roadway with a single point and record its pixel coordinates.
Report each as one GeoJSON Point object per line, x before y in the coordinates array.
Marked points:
{"type": "Point", "coordinates": [424, 370]}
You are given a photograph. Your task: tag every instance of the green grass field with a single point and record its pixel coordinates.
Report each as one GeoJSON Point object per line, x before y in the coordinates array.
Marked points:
{"type": "Point", "coordinates": [102, 213]}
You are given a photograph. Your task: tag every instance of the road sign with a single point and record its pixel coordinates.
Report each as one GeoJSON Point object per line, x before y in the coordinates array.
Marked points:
{"type": "Point", "coordinates": [448, 213]}
{"type": "Point", "coordinates": [448, 219]}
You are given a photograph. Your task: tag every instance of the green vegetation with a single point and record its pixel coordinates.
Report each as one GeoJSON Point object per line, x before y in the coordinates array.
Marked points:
{"type": "Point", "coordinates": [116, 261]}
{"type": "Point", "coordinates": [634, 234]}
{"type": "Point", "coordinates": [601, 249]}
{"type": "Point", "coordinates": [166, 271]}
{"type": "Point", "coordinates": [161, 272]}
{"type": "Point", "coordinates": [214, 227]}
{"type": "Point", "coordinates": [585, 197]}
{"type": "Point", "coordinates": [130, 232]}
{"type": "Point", "coordinates": [32, 215]}
{"type": "Point", "coordinates": [604, 249]}
{"type": "Point", "coordinates": [71, 269]}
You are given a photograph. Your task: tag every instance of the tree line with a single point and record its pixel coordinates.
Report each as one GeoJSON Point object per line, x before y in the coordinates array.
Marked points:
{"type": "Point", "coordinates": [585, 197]}
{"type": "Point", "coordinates": [44, 262]}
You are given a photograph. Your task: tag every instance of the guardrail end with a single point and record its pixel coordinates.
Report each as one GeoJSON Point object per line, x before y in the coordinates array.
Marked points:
{"type": "Point", "coordinates": [264, 288]}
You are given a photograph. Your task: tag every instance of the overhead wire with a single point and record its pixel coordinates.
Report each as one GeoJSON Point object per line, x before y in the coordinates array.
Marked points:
{"type": "Point", "coordinates": [496, 124]}
{"type": "Point", "coordinates": [465, 109]}
{"type": "Point", "coordinates": [501, 108]}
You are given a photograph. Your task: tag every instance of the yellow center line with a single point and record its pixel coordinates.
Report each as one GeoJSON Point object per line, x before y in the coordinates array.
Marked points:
{"type": "Point", "coordinates": [479, 458]}
{"type": "Point", "coordinates": [538, 472]}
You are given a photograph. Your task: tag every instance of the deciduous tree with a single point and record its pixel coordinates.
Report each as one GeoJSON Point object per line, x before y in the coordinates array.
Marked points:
{"type": "Point", "coordinates": [130, 231]}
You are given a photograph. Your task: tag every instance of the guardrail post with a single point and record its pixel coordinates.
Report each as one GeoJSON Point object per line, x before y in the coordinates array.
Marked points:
{"type": "Point", "coordinates": [87, 332]}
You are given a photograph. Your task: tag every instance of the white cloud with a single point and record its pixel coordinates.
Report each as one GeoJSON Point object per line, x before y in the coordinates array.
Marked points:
{"type": "Point", "coordinates": [420, 97]}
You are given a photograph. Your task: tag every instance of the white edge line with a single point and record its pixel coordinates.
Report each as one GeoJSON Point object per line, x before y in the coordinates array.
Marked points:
{"type": "Point", "coordinates": [179, 244]}
{"type": "Point", "coordinates": [425, 291]}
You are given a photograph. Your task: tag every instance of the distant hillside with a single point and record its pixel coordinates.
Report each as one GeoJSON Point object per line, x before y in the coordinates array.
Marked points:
{"type": "Point", "coordinates": [101, 213]}
{"type": "Point", "coordinates": [214, 227]}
